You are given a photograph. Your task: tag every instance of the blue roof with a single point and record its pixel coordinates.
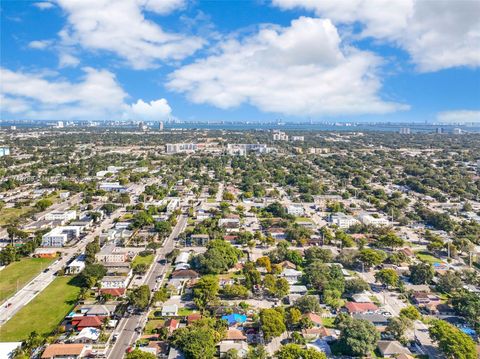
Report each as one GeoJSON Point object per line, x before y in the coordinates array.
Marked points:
{"type": "Point", "coordinates": [235, 318]}
{"type": "Point", "coordinates": [468, 331]}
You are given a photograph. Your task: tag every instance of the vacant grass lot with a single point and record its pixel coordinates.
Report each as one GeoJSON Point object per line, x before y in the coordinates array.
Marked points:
{"type": "Point", "coordinates": [8, 215]}
{"type": "Point", "coordinates": [142, 260]}
{"type": "Point", "coordinates": [427, 257]}
{"type": "Point", "coordinates": [44, 313]}
{"type": "Point", "coordinates": [20, 273]}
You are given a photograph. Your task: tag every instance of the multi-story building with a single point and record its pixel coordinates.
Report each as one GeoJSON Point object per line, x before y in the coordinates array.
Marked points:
{"type": "Point", "coordinates": [298, 138]}
{"type": "Point", "coordinates": [342, 220]}
{"type": "Point", "coordinates": [243, 149]}
{"type": "Point", "coordinates": [296, 210]}
{"type": "Point", "coordinates": [112, 187]}
{"type": "Point", "coordinates": [181, 147]}
{"type": "Point", "coordinates": [369, 220]}
{"type": "Point", "coordinates": [280, 136]}
{"type": "Point", "coordinates": [4, 151]}
{"type": "Point", "coordinates": [58, 236]}
{"type": "Point", "coordinates": [61, 216]}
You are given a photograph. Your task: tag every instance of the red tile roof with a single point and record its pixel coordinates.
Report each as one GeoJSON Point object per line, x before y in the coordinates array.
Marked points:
{"type": "Point", "coordinates": [353, 307]}
{"type": "Point", "coordinates": [315, 318]}
{"type": "Point", "coordinates": [193, 317]}
{"type": "Point", "coordinates": [235, 334]}
{"type": "Point", "coordinates": [55, 350]}
{"type": "Point", "coordinates": [90, 321]}
{"type": "Point", "coordinates": [116, 292]}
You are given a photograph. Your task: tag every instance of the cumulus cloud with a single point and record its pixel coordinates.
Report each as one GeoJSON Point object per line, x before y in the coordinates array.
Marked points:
{"type": "Point", "coordinates": [437, 34]}
{"type": "Point", "coordinates": [39, 44]}
{"type": "Point", "coordinates": [95, 96]}
{"type": "Point", "coordinates": [459, 116]}
{"type": "Point", "coordinates": [43, 5]}
{"type": "Point", "coordinates": [120, 27]}
{"type": "Point", "coordinates": [152, 111]}
{"type": "Point", "coordinates": [297, 70]}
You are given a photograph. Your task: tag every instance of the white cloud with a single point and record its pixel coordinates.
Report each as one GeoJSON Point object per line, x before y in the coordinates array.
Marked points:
{"type": "Point", "coordinates": [121, 27]}
{"type": "Point", "coordinates": [67, 60]}
{"type": "Point", "coordinates": [39, 44]}
{"type": "Point", "coordinates": [297, 70]}
{"type": "Point", "coordinates": [43, 5]}
{"type": "Point", "coordinates": [459, 116]}
{"type": "Point", "coordinates": [95, 96]}
{"type": "Point", "coordinates": [162, 6]}
{"type": "Point", "coordinates": [437, 34]}
{"type": "Point", "coordinates": [152, 111]}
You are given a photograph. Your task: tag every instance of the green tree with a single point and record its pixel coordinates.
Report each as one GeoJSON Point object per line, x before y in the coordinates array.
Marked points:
{"type": "Point", "coordinates": [410, 312]}
{"type": "Point", "coordinates": [397, 326]}
{"type": "Point", "coordinates": [387, 277]}
{"type": "Point", "coordinates": [389, 240]}
{"type": "Point", "coordinates": [43, 204]}
{"type": "Point", "coordinates": [452, 342]}
{"type": "Point", "coordinates": [140, 297]}
{"type": "Point", "coordinates": [295, 351]}
{"type": "Point", "coordinates": [467, 304]}
{"type": "Point", "coordinates": [206, 291]}
{"type": "Point", "coordinates": [358, 337]}
{"type": "Point", "coordinates": [421, 273]}
{"type": "Point", "coordinates": [139, 354]}
{"type": "Point", "coordinates": [199, 339]}
{"type": "Point", "coordinates": [92, 274]}
{"type": "Point", "coordinates": [449, 282]}
{"type": "Point", "coordinates": [355, 285]}
{"type": "Point", "coordinates": [272, 322]}
{"type": "Point", "coordinates": [371, 257]}
{"type": "Point", "coordinates": [308, 304]}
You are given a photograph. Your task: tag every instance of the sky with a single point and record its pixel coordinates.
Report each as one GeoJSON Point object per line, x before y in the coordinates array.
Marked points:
{"type": "Point", "coordinates": [259, 60]}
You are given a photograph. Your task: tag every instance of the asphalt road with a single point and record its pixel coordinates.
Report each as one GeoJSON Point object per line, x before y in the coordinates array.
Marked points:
{"type": "Point", "coordinates": [126, 328]}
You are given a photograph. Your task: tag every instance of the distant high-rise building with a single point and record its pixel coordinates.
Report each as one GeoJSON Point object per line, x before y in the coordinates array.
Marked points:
{"type": "Point", "coordinates": [280, 136]}
{"type": "Point", "coordinates": [160, 126]}
{"type": "Point", "coordinates": [59, 124]}
{"type": "Point", "coordinates": [439, 130]}
{"type": "Point", "coordinates": [142, 126]}
{"type": "Point", "coordinates": [4, 151]}
{"type": "Point", "coordinates": [405, 130]}
{"type": "Point", "coordinates": [457, 131]}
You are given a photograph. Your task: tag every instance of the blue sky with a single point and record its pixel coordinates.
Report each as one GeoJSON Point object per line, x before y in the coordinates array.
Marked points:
{"type": "Point", "coordinates": [320, 60]}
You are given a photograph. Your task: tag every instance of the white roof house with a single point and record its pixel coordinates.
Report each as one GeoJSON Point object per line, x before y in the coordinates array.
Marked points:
{"type": "Point", "coordinates": [296, 210]}
{"type": "Point", "coordinates": [291, 275]}
{"type": "Point", "coordinates": [170, 310]}
{"type": "Point", "coordinates": [87, 335]}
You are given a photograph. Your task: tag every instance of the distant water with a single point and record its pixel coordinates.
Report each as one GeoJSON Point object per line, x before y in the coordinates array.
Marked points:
{"type": "Point", "coordinates": [251, 126]}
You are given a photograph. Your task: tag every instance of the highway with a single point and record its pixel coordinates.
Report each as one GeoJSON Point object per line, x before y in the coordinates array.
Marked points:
{"type": "Point", "coordinates": [40, 282]}
{"type": "Point", "coordinates": [126, 327]}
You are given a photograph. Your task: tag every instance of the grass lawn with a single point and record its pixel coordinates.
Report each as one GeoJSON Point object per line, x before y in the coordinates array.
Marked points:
{"type": "Point", "coordinates": [153, 324]}
{"type": "Point", "coordinates": [427, 257]}
{"type": "Point", "coordinates": [303, 219]}
{"type": "Point", "coordinates": [185, 311]}
{"type": "Point", "coordinates": [328, 322]}
{"type": "Point", "coordinates": [44, 313]}
{"type": "Point", "coordinates": [142, 260]}
{"type": "Point", "coordinates": [7, 215]}
{"type": "Point", "coordinates": [20, 272]}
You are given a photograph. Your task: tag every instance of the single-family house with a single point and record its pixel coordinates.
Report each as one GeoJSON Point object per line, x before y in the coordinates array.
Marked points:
{"type": "Point", "coordinates": [291, 275]}
{"type": "Point", "coordinates": [170, 310]}
{"type": "Point", "coordinates": [65, 351]}
{"type": "Point", "coordinates": [360, 308]}
{"type": "Point", "coordinates": [391, 348]}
